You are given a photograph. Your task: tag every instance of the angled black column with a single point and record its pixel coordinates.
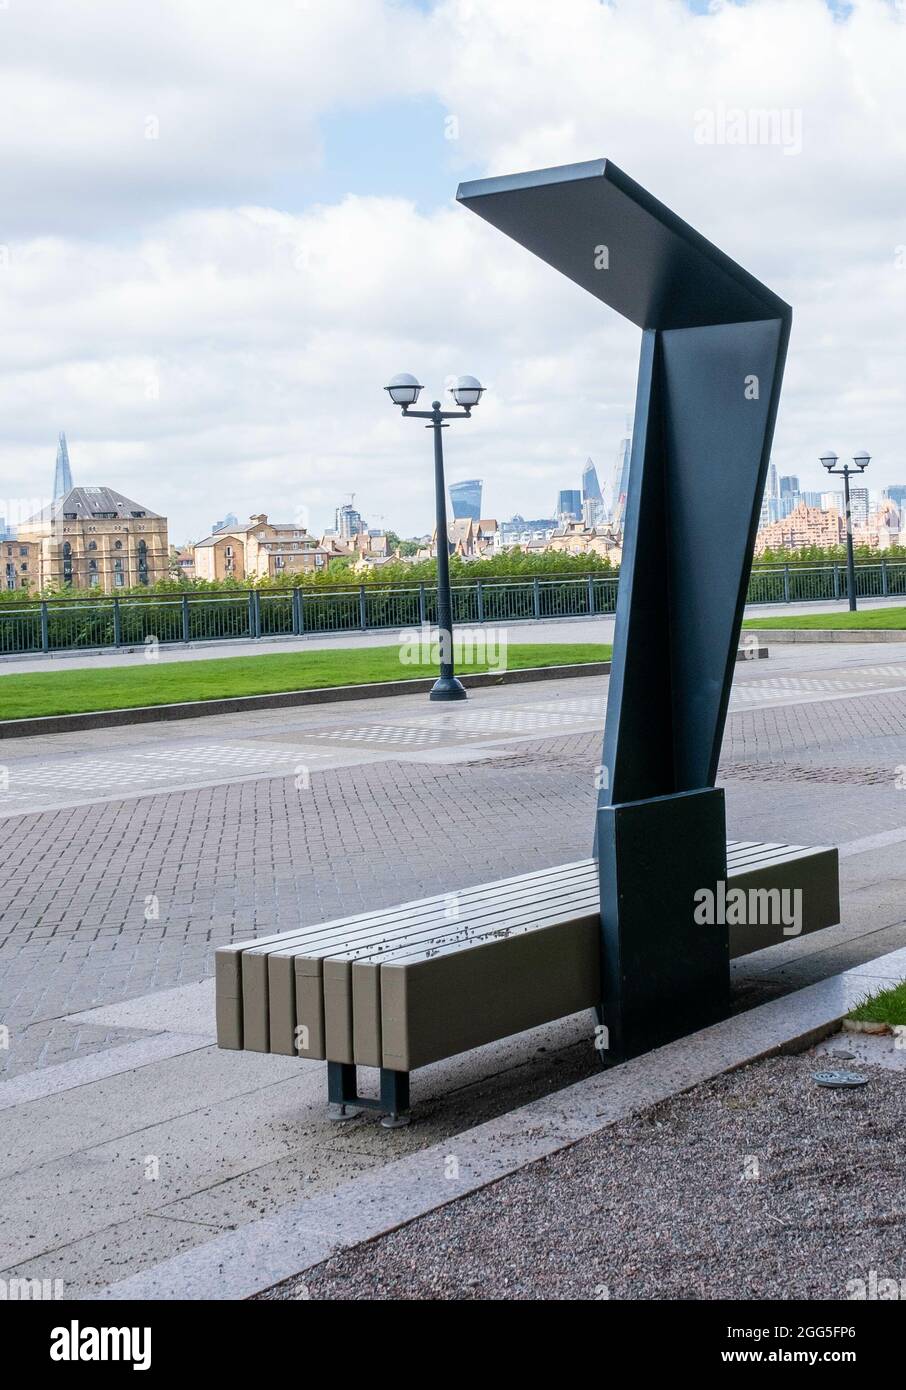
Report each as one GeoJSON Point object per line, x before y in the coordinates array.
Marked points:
{"type": "Point", "coordinates": [713, 350]}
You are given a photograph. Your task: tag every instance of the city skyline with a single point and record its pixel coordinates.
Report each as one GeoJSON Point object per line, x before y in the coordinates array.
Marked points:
{"type": "Point", "coordinates": [193, 297]}
{"type": "Point", "coordinates": [782, 493]}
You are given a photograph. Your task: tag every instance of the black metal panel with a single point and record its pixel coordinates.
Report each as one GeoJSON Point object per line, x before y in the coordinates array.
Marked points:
{"type": "Point", "coordinates": [663, 974]}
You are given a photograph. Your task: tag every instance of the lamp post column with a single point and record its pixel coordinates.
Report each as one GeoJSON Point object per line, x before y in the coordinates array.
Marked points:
{"type": "Point", "coordinates": [447, 687]}
{"type": "Point", "coordinates": [850, 557]}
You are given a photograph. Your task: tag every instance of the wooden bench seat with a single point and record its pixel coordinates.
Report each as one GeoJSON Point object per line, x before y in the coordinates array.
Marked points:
{"type": "Point", "coordinates": [402, 987]}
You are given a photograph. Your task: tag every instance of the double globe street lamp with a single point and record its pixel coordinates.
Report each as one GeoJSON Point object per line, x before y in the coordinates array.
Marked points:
{"type": "Point", "coordinates": [404, 391]}
{"type": "Point", "coordinates": [860, 463]}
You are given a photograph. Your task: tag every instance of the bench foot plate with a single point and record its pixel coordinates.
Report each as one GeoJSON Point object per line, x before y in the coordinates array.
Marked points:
{"type": "Point", "coordinates": [337, 1114]}
{"type": "Point", "coordinates": [395, 1121]}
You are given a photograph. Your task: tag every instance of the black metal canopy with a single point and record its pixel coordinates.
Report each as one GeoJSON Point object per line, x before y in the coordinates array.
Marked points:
{"type": "Point", "coordinates": [661, 272]}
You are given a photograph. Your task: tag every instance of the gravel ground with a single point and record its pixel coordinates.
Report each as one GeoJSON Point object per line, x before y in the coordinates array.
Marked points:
{"type": "Point", "coordinates": [759, 1185]}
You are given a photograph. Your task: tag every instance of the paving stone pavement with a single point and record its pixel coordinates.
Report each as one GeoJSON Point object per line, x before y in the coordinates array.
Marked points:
{"type": "Point", "coordinates": [125, 898]}
{"type": "Point", "coordinates": [122, 897]}
{"type": "Point", "coordinates": [106, 902]}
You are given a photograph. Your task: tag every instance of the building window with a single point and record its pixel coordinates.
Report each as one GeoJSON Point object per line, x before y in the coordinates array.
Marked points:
{"type": "Point", "coordinates": [92, 545]}
{"type": "Point", "coordinates": [117, 545]}
{"type": "Point", "coordinates": [24, 569]}
{"type": "Point", "coordinates": [67, 563]}
{"type": "Point", "coordinates": [23, 550]}
{"type": "Point", "coordinates": [119, 580]}
{"type": "Point", "coordinates": [142, 562]}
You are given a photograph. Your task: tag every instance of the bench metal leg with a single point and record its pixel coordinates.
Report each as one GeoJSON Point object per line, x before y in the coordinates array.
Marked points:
{"type": "Point", "coordinates": [341, 1090]}
{"type": "Point", "coordinates": [342, 1094]}
{"type": "Point", "coordinates": [394, 1098]}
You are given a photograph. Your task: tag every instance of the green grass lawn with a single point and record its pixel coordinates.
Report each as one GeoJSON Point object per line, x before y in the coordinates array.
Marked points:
{"type": "Point", "coordinates": [869, 618]}
{"type": "Point", "coordinates": [169, 682]}
{"type": "Point", "coordinates": [887, 1006]}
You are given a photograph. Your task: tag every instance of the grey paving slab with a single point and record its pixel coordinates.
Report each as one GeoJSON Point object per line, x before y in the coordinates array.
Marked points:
{"type": "Point", "coordinates": [106, 1183]}
{"type": "Point", "coordinates": [92, 1067]}
{"type": "Point", "coordinates": [86, 1264]}
{"type": "Point", "coordinates": [185, 1009]}
{"type": "Point", "coordinates": [60, 1124]}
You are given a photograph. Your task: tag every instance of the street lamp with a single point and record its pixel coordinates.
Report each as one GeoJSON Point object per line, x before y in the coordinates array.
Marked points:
{"type": "Point", "coordinates": [403, 391]}
{"type": "Point", "coordinates": [861, 462]}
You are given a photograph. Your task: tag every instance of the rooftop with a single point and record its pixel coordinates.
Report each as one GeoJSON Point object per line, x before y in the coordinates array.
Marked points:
{"type": "Point", "coordinates": [93, 503]}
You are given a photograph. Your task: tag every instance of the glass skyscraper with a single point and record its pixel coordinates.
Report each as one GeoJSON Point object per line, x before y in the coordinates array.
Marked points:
{"type": "Point", "coordinates": [593, 509]}
{"type": "Point", "coordinates": [62, 478]}
{"type": "Point", "coordinates": [466, 500]}
{"type": "Point", "coordinates": [569, 504]}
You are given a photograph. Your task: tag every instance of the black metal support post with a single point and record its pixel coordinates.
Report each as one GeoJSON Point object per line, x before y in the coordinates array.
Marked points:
{"type": "Point", "coordinates": [850, 557]}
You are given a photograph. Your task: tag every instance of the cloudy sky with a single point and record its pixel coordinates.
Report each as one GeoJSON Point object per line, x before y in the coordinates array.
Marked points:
{"type": "Point", "coordinates": [224, 226]}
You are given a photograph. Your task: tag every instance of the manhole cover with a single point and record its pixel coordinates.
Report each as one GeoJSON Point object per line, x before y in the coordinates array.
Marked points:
{"type": "Point", "coordinates": [840, 1078]}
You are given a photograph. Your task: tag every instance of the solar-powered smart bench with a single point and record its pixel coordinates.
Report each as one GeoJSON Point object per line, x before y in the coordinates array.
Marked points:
{"type": "Point", "coordinates": [399, 988]}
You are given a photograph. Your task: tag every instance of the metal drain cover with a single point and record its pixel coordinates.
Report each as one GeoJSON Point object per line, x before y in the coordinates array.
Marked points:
{"type": "Point", "coordinates": [840, 1079]}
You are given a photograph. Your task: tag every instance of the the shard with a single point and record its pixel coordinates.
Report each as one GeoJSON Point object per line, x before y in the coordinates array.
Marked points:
{"type": "Point", "coordinates": [62, 478]}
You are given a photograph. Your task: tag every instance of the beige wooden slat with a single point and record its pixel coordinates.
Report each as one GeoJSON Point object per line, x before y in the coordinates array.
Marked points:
{"type": "Point", "coordinates": [330, 970]}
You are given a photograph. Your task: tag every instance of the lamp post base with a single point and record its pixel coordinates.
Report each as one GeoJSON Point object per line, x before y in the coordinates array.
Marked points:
{"type": "Point", "coordinates": [448, 688]}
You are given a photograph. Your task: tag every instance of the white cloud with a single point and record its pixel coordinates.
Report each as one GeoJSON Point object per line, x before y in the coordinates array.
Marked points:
{"type": "Point", "coordinates": [207, 352]}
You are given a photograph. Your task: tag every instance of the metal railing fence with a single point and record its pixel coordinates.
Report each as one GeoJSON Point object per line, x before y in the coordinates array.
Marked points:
{"type": "Point", "coordinates": [62, 623]}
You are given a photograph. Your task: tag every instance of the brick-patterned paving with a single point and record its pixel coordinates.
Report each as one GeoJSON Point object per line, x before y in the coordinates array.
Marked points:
{"type": "Point", "coordinates": [77, 923]}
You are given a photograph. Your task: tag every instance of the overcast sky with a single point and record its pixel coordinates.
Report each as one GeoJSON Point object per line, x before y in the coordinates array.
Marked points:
{"type": "Point", "coordinates": [224, 226]}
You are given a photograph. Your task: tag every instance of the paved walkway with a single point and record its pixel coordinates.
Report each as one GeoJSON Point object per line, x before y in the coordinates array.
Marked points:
{"type": "Point", "coordinates": [128, 854]}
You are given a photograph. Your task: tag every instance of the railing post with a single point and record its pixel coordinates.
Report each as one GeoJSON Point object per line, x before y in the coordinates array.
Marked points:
{"type": "Point", "coordinates": [298, 619]}
{"type": "Point", "coordinates": [45, 627]}
{"type": "Point", "coordinates": [254, 613]}
{"type": "Point", "coordinates": [884, 589]}
{"type": "Point", "coordinates": [186, 624]}
{"type": "Point", "coordinates": [536, 595]}
{"type": "Point", "coordinates": [591, 595]}
{"type": "Point", "coordinates": [363, 614]}
{"type": "Point", "coordinates": [117, 624]}
{"type": "Point", "coordinates": [836, 581]}
{"type": "Point", "coordinates": [479, 600]}
{"type": "Point", "coordinates": [422, 606]}
{"type": "Point", "coordinates": [786, 584]}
